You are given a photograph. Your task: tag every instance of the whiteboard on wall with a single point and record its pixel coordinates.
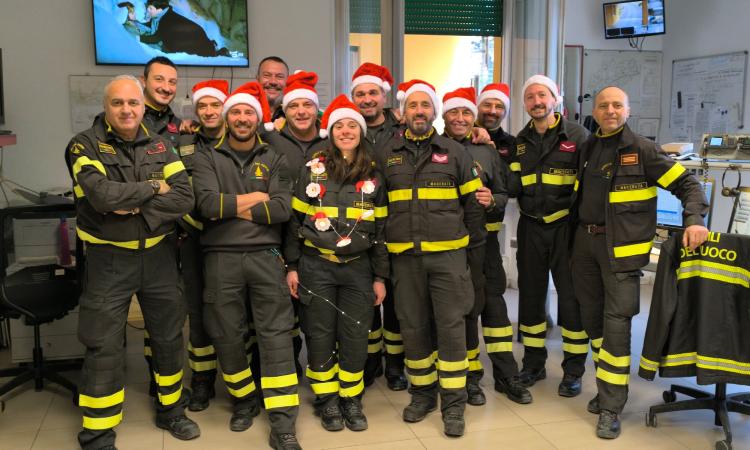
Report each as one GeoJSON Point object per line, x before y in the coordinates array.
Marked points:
{"type": "Point", "coordinates": [636, 73]}
{"type": "Point", "coordinates": [708, 96]}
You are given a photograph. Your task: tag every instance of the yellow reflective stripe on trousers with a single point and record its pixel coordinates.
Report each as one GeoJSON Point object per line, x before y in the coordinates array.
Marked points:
{"type": "Point", "coordinates": [647, 364]}
{"type": "Point", "coordinates": [597, 343]}
{"type": "Point", "coordinates": [473, 353]}
{"type": "Point", "coordinates": [239, 393]}
{"type": "Point", "coordinates": [352, 391]}
{"type": "Point", "coordinates": [515, 166]}
{"type": "Point", "coordinates": [578, 349]}
{"type": "Point", "coordinates": [423, 380]}
{"type": "Point", "coordinates": [423, 363]}
{"type": "Point", "coordinates": [452, 382]}
{"type": "Point", "coordinates": [85, 401]}
{"type": "Point", "coordinates": [612, 378]}
{"type": "Point", "coordinates": [173, 168]}
{"type": "Point", "coordinates": [470, 186]}
{"type": "Point", "coordinates": [441, 246]}
{"type": "Point", "coordinates": [280, 381]}
{"type": "Point", "coordinates": [170, 399]}
{"type": "Point", "coordinates": [300, 206]}
{"type": "Point", "coordinates": [617, 361]}
{"type": "Point", "coordinates": [322, 376]}
{"type": "Point", "coordinates": [636, 195]}
{"type": "Point", "coordinates": [355, 213]}
{"type": "Point", "coordinates": [350, 377]}
{"type": "Point", "coordinates": [394, 349]}
{"type": "Point", "coordinates": [102, 423]}
{"type": "Point", "coordinates": [381, 212]}
{"type": "Point", "coordinates": [493, 226]}
{"type": "Point", "coordinates": [281, 401]}
{"type": "Point", "coordinates": [202, 366]}
{"type": "Point", "coordinates": [623, 251]}
{"type": "Point", "coordinates": [375, 334]}
{"type": "Point", "coordinates": [528, 179]}
{"type": "Point", "coordinates": [398, 247]}
{"type": "Point", "coordinates": [498, 331]}
{"type": "Point", "coordinates": [237, 377]}
{"type": "Point", "coordinates": [399, 195]}
{"type": "Point", "coordinates": [475, 365]}
{"type": "Point", "coordinates": [83, 161]}
{"type": "Point", "coordinates": [328, 387]}
{"type": "Point", "coordinates": [574, 334]}
{"type": "Point", "coordinates": [558, 180]}
{"type": "Point", "coordinates": [452, 366]}
{"type": "Point", "coordinates": [437, 193]}
{"type": "Point", "coordinates": [132, 245]}
{"type": "Point", "coordinates": [391, 336]}
{"type": "Point", "coordinates": [670, 175]}
{"type": "Point", "coordinates": [497, 347]}
{"type": "Point", "coordinates": [374, 348]}
{"type": "Point", "coordinates": [556, 215]}
{"type": "Point", "coordinates": [201, 351]}
{"type": "Point", "coordinates": [533, 342]}
{"type": "Point", "coordinates": [534, 329]}
{"type": "Point", "coordinates": [168, 380]}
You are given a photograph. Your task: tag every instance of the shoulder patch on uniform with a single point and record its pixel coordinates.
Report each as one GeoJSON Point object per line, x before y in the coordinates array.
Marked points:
{"type": "Point", "coordinates": [106, 148]}
{"type": "Point", "coordinates": [476, 169]}
{"type": "Point", "coordinates": [187, 150]}
{"type": "Point", "coordinates": [172, 128]}
{"type": "Point", "coordinates": [629, 159]}
{"type": "Point", "coordinates": [76, 148]}
{"type": "Point", "coordinates": [568, 146]}
{"type": "Point", "coordinates": [440, 158]}
{"type": "Point", "coordinates": [395, 160]}
{"type": "Point", "coordinates": [520, 149]}
{"type": "Point", "coordinates": [158, 147]}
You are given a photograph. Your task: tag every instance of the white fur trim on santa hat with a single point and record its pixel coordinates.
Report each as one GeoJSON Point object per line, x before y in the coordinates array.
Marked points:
{"type": "Point", "coordinates": [244, 99]}
{"type": "Point", "coordinates": [208, 92]}
{"type": "Point", "coordinates": [418, 87]}
{"type": "Point", "coordinates": [496, 94]}
{"type": "Point", "coordinates": [300, 93]}
{"type": "Point", "coordinates": [457, 102]}
{"type": "Point", "coordinates": [343, 113]}
{"type": "Point", "coordinates": [371, 79]}
{"type": "Point", "coordinates": [546, 82]}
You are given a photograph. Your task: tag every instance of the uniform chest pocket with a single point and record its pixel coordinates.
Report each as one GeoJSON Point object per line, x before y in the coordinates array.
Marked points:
{"type": "Point", "coordinates": [152, 167]}
{"type": "Point", "coordinates": [118, 167]}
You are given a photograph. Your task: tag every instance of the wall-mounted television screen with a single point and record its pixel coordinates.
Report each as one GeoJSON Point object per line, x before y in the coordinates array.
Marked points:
{"type": "Point", "coordinates": [189, 32]}
{"type": "Point", "coordinates": [630, 19]}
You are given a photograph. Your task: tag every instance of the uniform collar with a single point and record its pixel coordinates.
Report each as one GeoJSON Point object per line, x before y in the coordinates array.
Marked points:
{"type": "Point", "coordinates": [105, 133]}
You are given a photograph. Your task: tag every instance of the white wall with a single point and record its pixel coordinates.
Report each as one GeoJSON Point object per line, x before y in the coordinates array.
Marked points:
{"type": "Point", "coordinates": [44, 42]}
{"type": "Point", "coordinates": [584, 25]}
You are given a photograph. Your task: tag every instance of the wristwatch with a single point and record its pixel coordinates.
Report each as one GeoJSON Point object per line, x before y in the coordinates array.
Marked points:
{"type": "Point", "coordinates": [155, 185]}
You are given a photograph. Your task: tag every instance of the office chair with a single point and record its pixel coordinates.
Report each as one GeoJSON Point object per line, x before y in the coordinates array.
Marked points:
{"type": "Point", "coordinates": [39, 295]}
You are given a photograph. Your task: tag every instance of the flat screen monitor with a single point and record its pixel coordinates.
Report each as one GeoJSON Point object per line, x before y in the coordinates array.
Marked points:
{"type": "Point", "coordinates": [669, 207]}
{"type": "Point", "coordinates": [630, 19]}
{"type": "Point", "coordinates": [132, 32]}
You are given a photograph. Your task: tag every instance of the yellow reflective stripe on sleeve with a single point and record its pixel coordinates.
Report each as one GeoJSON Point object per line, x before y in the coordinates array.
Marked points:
{"type": "Point", "coordinates": [556, 215]}
{"type": "Point", "coordinates": [102, 423]}
{"type": "Point", "coordinates": [612, 378]}
{"type": "Point", "coordinates": [324, 251]}
{"type": "Point", "coordinates": [85, 401]}
{"type": "Point", "coordinates": [617, 361]}
{"type": "Point", "coordinates": [83, 161]}
{"type": "Point", "coordinates": [441, 246]}
{"type": "Point", "coordinates": [328, 387]}
{"type": "Point", "coordinates": [350, 377]}
{"type": "Point", "coordinates": [147, 351]}
{"type": "Point", "coordinates": [239, 393]}
{"type": "Point", "coordinates": [352, 391]}
{"type": "Point", "coordinates": [493, 226]}
{"type": "Point", "coordinates": [534, 329]}
{"type": "Point", "coordinates": [473, 353]}
{"type": "Point", "coordinates": [322, 376]}
{"type": "Point", "coordinates": [170, 399]}
{"type": "Point", "coordinates": [670, 175]}
{"type": "Point", "coordinates": [558, 180]}
{"type": "Point", "coordinates": [201, 366]}
{"type": "Point", "coordinates": [575, 186]}
{"type": "Point", "coordinates": [391, 336]}
{"type": "Point", "coordinates": [647, 364]}
{"type": "Point", "coordinates": [470, 186]}
{"type": "Point", "coordinates": [355, 213]}
{"type": "Point", "coordinates": [281, 401]}
{"type": "Point", "coordinates": [173, 168]}
{"type": "Point", "coordinates": [394, 349]}
{"type": "Point", "coordinates": [221, 205]}
{"type": "Point", "coordinates": [437, 193]}
{"type": "Point", "coordinates": [497, 347]}
{"type": "Point", "coordinates": [623, 251]}
{"type": "Point", "coordinates": [330, 211]}
{"type": "Point", "coordinates": [237, 377]}
{"type": "Point", "coordinates": [475, 365]}
{"type": "Point", "coordinates": [201, 351]}
{"type": "Point", "coordinates": [299, 206]}
{"type": "Point", "coordinates": [381, 212]}
{"type": "Point", "coordinates": [398, 247]}
{"type": "Point", "coordinates": [515, 166]}
{"type": "Point", "coordinates": [132, 245]}
{"type": "Point", "coordinates": [452, 366]}
{"type": "Point", "coordinates": [635, 195]}
{"type": "Point", "coordinates": [268, 212]}
{"type": "Point", "coordinates": [574, 334]}
{"type": "Point", "coordinates": [194, 223]}
{"type": "Point", "coordinates": [533, 342]}
{"type": "Point", "coordinates": [374, 348]}
{"type": "Point", "coordinates": [528, 179]}
{"type": "Point", "coordinates": [452, 382]}
{"type": "Point", "coordinates": [498, 331]}
{"type": "Point", "coordinates": [399, 195]}
{"type": "Point", "coordinates": [423, 363]}
{"type": "Point", "coordinates": [280, 381]}
{"type": "Point", "coordinates": [78, 191]}
{"type": "Point", "coordinates": [578, 349]}
{"type": "Point", "coordinates": [423, 380]}
{"type": "Point", "coordinates": [168, 380]}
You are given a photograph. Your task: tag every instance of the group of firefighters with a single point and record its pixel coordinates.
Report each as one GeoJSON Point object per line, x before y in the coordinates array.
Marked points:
{"type": "Point", "coordinates": [266, 222]}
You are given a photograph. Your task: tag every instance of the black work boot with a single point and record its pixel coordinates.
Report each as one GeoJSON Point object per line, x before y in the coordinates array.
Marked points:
{"type": "Point", "coordinates": [593, 406]}
{"type": "Point", "coordinates": [373, 368]}
{"type": "Point", "coordinates": [330, 416]}
{"type": "Point", "coordinates": [529, 377]}
{"type": "Point", "coordinates": [180, 427]}
{"type": "Point", "coordinates": [397, 382]}
{"type": "Point", "coordinates": [242, 418]}
{"type": "Point", "coordinates": [202, 387]}
{"type": "Point", "coordinates": [419, 407]}
{"type": "Point", "coordinates": [570, 386]}
{"type": "Point", "coordinates": [283, 441]}
{"type": "Point", "coordinates": [608, 426]}
{"type": "Point", "coordinates": [453, 423]}
{"type": "Point", "coordinates": [351, 408]}
{"type": "Point", "coordinates": [514, 390]}
{"type": "Point", "coordinates": [475, 395]}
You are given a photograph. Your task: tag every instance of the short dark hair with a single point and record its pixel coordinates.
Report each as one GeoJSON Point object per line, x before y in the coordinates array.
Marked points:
{"type": "Point", "coordinates": [158, 4]}
{"type": "Point", "coordinates": [158, 60]}
{"type": "Point", "coordinates": [276, 59]}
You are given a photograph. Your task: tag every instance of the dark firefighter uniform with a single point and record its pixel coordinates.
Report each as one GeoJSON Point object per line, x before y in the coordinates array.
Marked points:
{"type": "Point", "coordinates": [343, 275]}
{"type": "Point", "coordinates": [127, 254]}
{"type": "Point", "coordinates": [546, 166]}
{"type": "Point", "coordinates": [201, 353]}
{"type": "Point", "coordinates": [242, 260]}
{"type": "Point", "coordinates": [385, 332]}
{"type": "Point", "coordinates": [488, 275]}
{"type": "Point", "coordinates": [615, 222]}
{"type": "Point", "coordinates": [433, 217]}
{"type": "Point", "coordinates": [504, 142]}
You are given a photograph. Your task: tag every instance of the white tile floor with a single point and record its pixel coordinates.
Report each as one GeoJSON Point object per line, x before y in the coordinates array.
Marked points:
{"type": "Point", "coordinates": [48, 419]}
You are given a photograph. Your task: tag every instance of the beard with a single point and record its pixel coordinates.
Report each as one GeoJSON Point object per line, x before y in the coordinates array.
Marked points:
{"type": "Point", "coordinates": [242, 138]}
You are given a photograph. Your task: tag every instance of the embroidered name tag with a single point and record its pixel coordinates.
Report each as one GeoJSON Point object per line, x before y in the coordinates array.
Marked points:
{"type": "Point", "coordinates": [520, 149]}
{"type": "Point", "coordinates": [631, 186]}
{"type": "Point", "coordinates": [187, 150]}
{"type": "Point", "coordinates": [363, 205]}
{"type": "Point", "coordinates": [106, 148]}
{"type": "Point", "coordinates": [629, 159]}
{"type": "Point", "coordinates": [395, 160]}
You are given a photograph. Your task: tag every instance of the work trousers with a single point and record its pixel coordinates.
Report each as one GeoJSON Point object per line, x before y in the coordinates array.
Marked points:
{"type": "Point", "coordinates": [336, 305]}
{"type": "Point", "coordinates": [112, 276]}
{"type": "Point", "coordinates": [385, 339]}
{"type": "Point", "coordinates": [608, 302]}
{"type": "Point", "coordinates": [543, 248]}
{"type": "Point", "coordinates": [488, 278]}
{"type": "Point", "coordinates": [433, 295]}
{"type": "Point", "coordinates": [231, 279]}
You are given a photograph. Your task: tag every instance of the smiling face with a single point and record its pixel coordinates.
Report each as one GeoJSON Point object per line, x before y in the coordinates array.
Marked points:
{"type": "Point", "coordinates": [242, 121]}
{"type": "Point", "coordinates": [491, 113]}
{"type": "Point", "coordinates": [611, 109]}
{"type": "Point", "coordinates": [370, 99]}
{"type": "Point", "coordinates": [538, 101]}
{"type": "Point", "coordinates": [272, 76]}
{"type": "Point", "coordinates": [346, 134]}
{"type": "Point", "coordinates": [123, 107]}
{"type": "Point", "coordinates": [209, 109]}
{"type": "Point", "coordinates": [419, 113]}
{"type": "Point", "coordinates": [458, 121]}
{"type": "Point", "coordinates": [160, 86]}
{"type": "Point", "coordinates": [301, 114]}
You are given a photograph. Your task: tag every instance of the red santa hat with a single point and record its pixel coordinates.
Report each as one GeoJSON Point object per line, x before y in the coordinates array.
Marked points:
{"type": "Point", "coordinates": [373, 73]}
{"type": "Point", "coordinates": [211, 88]}
{"type": "Point", "coordinates": [251, 94]}
{"type": "Point", "coordinates": [546, 82]}
{"type": "Point", "coordinates": [465, 97]}
{"type": "Point", "coordinates": [301, 85]}
{"type": "Point", "coordinates": [340, 108]}
{"type": "Point", "coordinates": [497, 91]}
{"type": "Point", "coordinates": [412, 86]}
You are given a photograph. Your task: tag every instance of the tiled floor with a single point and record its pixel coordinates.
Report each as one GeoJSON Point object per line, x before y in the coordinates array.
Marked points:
{"type": "Point", "coordinates": [48, 419]}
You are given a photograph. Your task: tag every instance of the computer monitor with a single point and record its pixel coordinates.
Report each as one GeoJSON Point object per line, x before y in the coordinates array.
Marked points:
{"type": "Point", "coordinates": [669, 207]}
